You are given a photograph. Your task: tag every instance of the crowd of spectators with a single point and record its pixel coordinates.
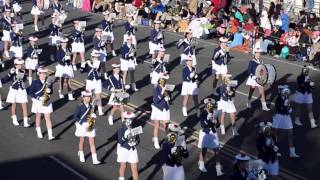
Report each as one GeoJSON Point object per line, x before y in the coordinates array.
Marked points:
{"type": "Point", "coordinates": [293, 38]}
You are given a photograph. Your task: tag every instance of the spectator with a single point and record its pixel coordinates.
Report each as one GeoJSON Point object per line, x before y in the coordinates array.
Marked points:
{"type": "Point", "coordinates": [285, 21]}
{"type": "Point", "coordinates": [265, 23]}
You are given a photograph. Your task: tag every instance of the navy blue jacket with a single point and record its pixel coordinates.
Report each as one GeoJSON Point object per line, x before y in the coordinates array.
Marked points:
{"type": "Point", "coordinates": [62, 58]}
{"type": "Point", "coordinates": [93, 74]}
{"type": "Point", "coordinates": [187, 48]}
{"type": "Point", "coordinates": [158, 99]}
{"type": "Point", "coordinates": [30, 51]}
{"type": "Point", "coordinates": [113, 82]}
{"type": "Point", "coordinates": [16, 83]}
{"type": "Point", "coordinates": [206, 123]}
{"type": "Point", "coordinates": [34, 2]}
{"type": "Point", "coordinates": [129, 28]}
{"type": "Point", "coordinates": [154, 37]}
{"type": "Point", "coordinates": [123, 141]}
{"type": "Point", "coordinates": [16, 39]}
{"type": "Point", "coordinates": [97, 43]}
{"type": "Point", "coordinates": [266, 153]}
{"type": "Point", "coordinates": [303, 85]}
{"type": "Point", "coordinates": [37, 89]}
{"type": "Point", "coordinates": [252, 67]}
{"type": "Point", "coordinates": [186, 73]}
{"type": "Point", "coordinates": [125, 52]}
{"type": "Point", "coordinates": [160, 67]}
{"type": "Point", "coordinates": [219, 58]}
{"type": "Point", "coordinates": [77, 36]}
{"type": "Point", "coordinates": [168, 157]}
{"type": "Point", "coordinates": [82, 112]}
{"type": "Point", "coordinates": [281, 108]}
{"type": "Point", "coordinates": [106, 26]}
{"type": "Point", "coordinates": [58, 7]}
{"type": "Point", "coordinates": [6, 23]}
{"type": "Point", "coordinates": [222, 91]}
{"type": "Point", "coordinates": [55, 30]}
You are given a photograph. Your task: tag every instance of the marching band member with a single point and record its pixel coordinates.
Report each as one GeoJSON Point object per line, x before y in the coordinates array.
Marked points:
{"type": "Point", "coordinates": [219, 60]}
{"type": "Point", "coordinates": [32, 57]}
{"type": "Point", "coordinates": [303, 96]}
{"type": "Point", "coordinates": [93, 82]}
{"type": "Point", "coordinates": [36, 12]}
{"type": "Point", "coordinates": [160, 108]}
{"type": "Point", "coordinates": [282, 119]}
{"type": "Point", "coordinates": [189, 86]}
{"type": "Point", "coordinates": [77, 45]}
{"type": "Point", "coordinates": [56, 6]}
{"type": "Point", "coordinates": [128, 62]}
{"type": "Point", "coordinates": [127, 151]}
{"type": "Point", "coordinates": [40, 91]}
{"type": "Point", "coordinates": [107, 25]}
{"type": "Point", "coordinates": [157, 38]}
{"type": "Point", "coordinates": [241, 167]}
{"type": "Point", "coordinates": [115, 84]}
{"type": "Point", "coordinates": [64, 69]}
{"type": "Point", "coordinates": [98, 48]}
{"type": "Point", "coordinates": [16, 50]}
{"type": "Point", "coordinates": [130, 30]}
{"type": "Point", "coordinates": [174, 149]}
{"type": "Point", "coordinates": [227, 92]}
{"type": "Point", "coordinates": [16, 5]}
{"type": "Point", "coordinates": [17, 92]}
{"type": "Point", "coordinates": [7, 21]}
{"type": "Point", "coordinates": [158, 66]}
{"type": "Point", "coordinates": [267, 146]}
{"type": "Point", "coordinates": [85, 126]}
{"type": "Point", "coordinates": [55, 33]}
{"type": "Point", "coordinates": [208, 136]}
{"type": "Point", "coordinates": [252, 80]}
{"type": "Point", "coordinates": [9, 6]}
{"type": "Point", "coordinates": [188, 48]}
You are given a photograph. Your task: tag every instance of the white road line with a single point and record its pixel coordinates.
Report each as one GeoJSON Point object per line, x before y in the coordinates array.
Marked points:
{"type": "Point", "coordinates": [68, 167]}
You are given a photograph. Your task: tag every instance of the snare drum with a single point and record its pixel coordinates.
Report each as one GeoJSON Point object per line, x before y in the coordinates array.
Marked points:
{"type": "Point", "coordinates": [265, 74]}
{"type": "Point", "coordinates": [118, 98]}
{"type": "Point", "coordinates": [46, 4]}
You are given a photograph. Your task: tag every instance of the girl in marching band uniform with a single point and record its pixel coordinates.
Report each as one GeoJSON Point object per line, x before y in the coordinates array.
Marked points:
{"type": "Point", "coordinates": [303, 96]}
{"type": "Point", "coordinates": [208, 136]}
{"type": "Point", "coordinates": [253, 64]}
{"type": "Point", "coordinates": [126, 150]}
{"type": "Point", "coordinates": [17, 92]}
{"type": "Point", "coordinates": [55, 33]}
{"type": "Point", "coordinates": [189, 86]}
{"type": "Point", "coordinates": [36, 12]}
{"type": "Point", "coordinates": [157, 38]}
{"type": "Point", "coordinates": [227, 92]}
{"type": "Point", "coordinates": [40, 91]}
{"type": "Point", "coordinates": [160, 108]}
{"type": "Point", "coordinates": [93, 82]}
{"type": "Point", "coordinates": [7, 21]}
{"type": "Point", "coordinates": [128, 62]}
{"type": "Point", "coordinates": [130, 30]}
{"type": "Point", "coordinates": [282, 119]}
{"type": "Point", "coordinates": [174, 149]}
{"type": "Point", "coordinates": [241, 167]}
{"type": "Point", "coordinates": [85, 127]}
{"type": "Point", "coordinates": [115, 83]}
{"type": "Point", "coordinates": [9, 6]}
{"type": "Point", "coordinates": [107, 25]}
{"type": "Point", "coordinates": [219, 60]}
{"type": "Point", "coordinates": [188, 48]}
{"type": "Point", "coordinates": [16, 50]}
{"type": "Point", "coordinates": [56, 6]}
{"type": "Point", "coordinates": [159, 67]}
{"type": "Point", "coordinates": [16, 5]}
{"type": "Point", "coordinates": [32, 57]}
{"type": "Point", "coordinates": [98, 48]}
{"type": "Point", "coordinates": [64, 69]}
{"type": "Point", "coordinates": [77, 45]}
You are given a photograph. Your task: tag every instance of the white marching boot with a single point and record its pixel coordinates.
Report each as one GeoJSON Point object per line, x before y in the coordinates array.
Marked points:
{"type": "Point", "coordinates": [61, 96]}
{"type": "Point", "coordinates": [81, 156]}
{"type": "Point", "coordinates": [134, 87]}
{"type": "Point", "coordinates": [235, 131]}
{"type": "Point", "coordinates": [219, 170]}
{"type": "Point", "coordinates": [30, 80]}
{"type": "Point", "coordinates": [25, 122]}
{"type": "Point", "coordinates": [114, 53]}
{"type": "Point", "coordinates": [264, 106]}
{"type": "Point", "coordinates": [110, 120]}
{"type": "Point", "coordinates": [249, 104]}
{"type": "Point", "coordinates": [121, 178]}
{"type": "Point", "coordinates": [50, 136]}
{"type": "Point", "coordinates": [297, 121]}
{"type": "Point", "coordinates": [313, 123]}
{"type": "Point", "coordinates": [222, 129]}
{"type": "Point", "coordinates": [292, 153]}
{"type": "Point", "coordinates": [95, 159]}
{"type": "Point", "coordinates": [14, 120]}
{"type": "Point", "coordinates": [184, 111]}
{"type": "Point", "coordinates": [100, 111]}
{"type": "Point", "coordinates": [156, 142]}
{"type": "Point", "coordinates": [39, 133]}
{"type": "Point", "coordinates": [70, 96]}
{"type": "Point", "coordinates": [202, 167]}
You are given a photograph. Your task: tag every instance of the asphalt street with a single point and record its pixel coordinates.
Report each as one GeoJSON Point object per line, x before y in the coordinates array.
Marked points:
{"type": "Point", "coordinates": [24, 156]}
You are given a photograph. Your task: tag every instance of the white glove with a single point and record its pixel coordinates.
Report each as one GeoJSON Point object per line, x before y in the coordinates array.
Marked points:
{"type": "Point", "coordinates": [41, 98]}
{"type": "Point", "coordinates": [290, 110]}
{"type": "Point", "coordinates": [112, 89]}
{"type": "Point", "coordinates": [254, 77]}
{"type": "Point", "coordinates": [127, 86]}
{"type": "Point", "coordinates": [173, 150]}
{"type": "Point", "coordinates": [268, 142]}
{"type": "Point", "coordinates": [126, 133]}
{"type": "Point", "coordinates": [192, 75]}
{"type": "Point", "coordinates": [77, 124]}
{"type": "Point", "coordinates": [166, 98]}
{"type": "Point", "coordinates": [311, 84]}
{"type": "Point", "coordinates": [93, 115]}
{"type": "Point", "coordinates": [275, 148]}
{"type": "Point", "coordinates": [131, 54]}
{"type": "Point", "coordinates": [214, 121]}
{"type": "Point", "coordinates": [12, 70]}
{"type": "Point", "coordinates": [162, 92]}
{"type": "Point", "coordinates": [48, 90]}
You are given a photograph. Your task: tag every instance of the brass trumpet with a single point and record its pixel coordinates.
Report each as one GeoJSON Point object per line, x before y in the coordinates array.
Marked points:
{"type": "Point", "coordinates": [172, 138]}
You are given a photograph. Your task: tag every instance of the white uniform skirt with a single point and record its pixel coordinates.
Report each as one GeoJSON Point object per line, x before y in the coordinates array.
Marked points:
{"type": "Point", "coordinates": [252, 82]}
{"type": "Point", "coordinates": [112, 101]}
{"type": "Point", "coordinates": [126, 65]}
{"type": "Point", "coordinates": [36, 11]}
{"type": "Point", "coordinates": [300, 98]}
{"type": "Point", "coordinates": [110, 36]}
{"type": "Point", "coordinates": [81, 130]}
{"type": "Point", "coordinates": [16, 7]}
{"type": "Point", "coordinates": [6, 35]}
{"type": "Point", "coordinates": [227, 106]}
{"type": "Point", "coordinates": [64, 71]}
{"type": "Point", "coordinates": [17, 96]}
{"type": "Point", "coordinates": [31, 63]}
{"type": "Point", "coordinates": [77, 47]}
{"type": "Point", "coordinates": [219, 69]}
{"type": "Point", "coordinates": [157, 114]}
{"type": "Point", "coordinates": [125, 155]}
{"type": "Point", "coordinates": [37, 107]}
{"type": "Point", "coordinates": [282, 122]}
{"type": "Point", "coordinates": [184, 57]}
{"type": "Point", "coordinates": [133, 39]}
{"type": "Point", "coordinates": [94, 85]}
{"type": "Point", "coordinates": [53, 40]}
{"type": "Point", "coordinates": [173, 173]}
{"type": "Point", "coordinates": [189, 88]}
{"type": "Point", "coordinates": [210, 140]}
{"type": "Point", "coordinates": [272, 168]}
{"type": "Point", "coordinates": [153, 47]}
{"type": "Point", "coordinates": [102, 56]}
{"type": "Point", "coordinates": [154, 77]}
{"type": "Point", "coordinates": [16, 51]}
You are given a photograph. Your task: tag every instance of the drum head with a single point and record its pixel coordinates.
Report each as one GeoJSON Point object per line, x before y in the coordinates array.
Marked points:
{"type": "Point", "coordinates": [261, 74]}
{"type": "Point", "coordinates": [272, 73]}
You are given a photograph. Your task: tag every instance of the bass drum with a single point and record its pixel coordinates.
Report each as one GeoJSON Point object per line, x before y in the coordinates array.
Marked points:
{"type": "Point", "coordinates": [46, 4]}
{"type": "Point", "coordinates": [265, 74]}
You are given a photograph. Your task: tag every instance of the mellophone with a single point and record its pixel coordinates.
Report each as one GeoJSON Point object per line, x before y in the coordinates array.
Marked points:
{"type": "Point", "coordinates": [265, 74]}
